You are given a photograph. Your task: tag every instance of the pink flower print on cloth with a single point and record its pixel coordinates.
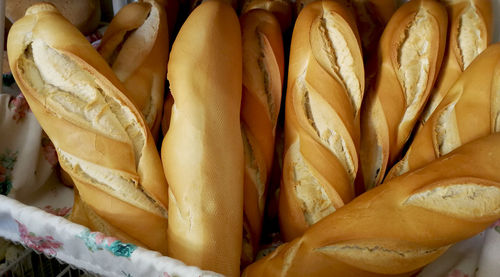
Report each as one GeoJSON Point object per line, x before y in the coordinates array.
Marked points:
{"type": "Point", "coordinates": [98, 241]}
{"type": "Point", "coordinates": [46, 244]}
{"type": "Point", "coordinates": [64, 211]}
{"type": "Point", "coordinates": [20, 107]}
{"type": "Point", "coordinates": [49, 151]}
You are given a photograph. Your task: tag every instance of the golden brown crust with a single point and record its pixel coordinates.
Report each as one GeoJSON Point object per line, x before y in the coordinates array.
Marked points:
{"type": "Point", "coordinates": [282, 10]}
{"type": "Point", "coordinates": [364, 239]}
{"type": "Point", "coordinates": [84, 14]}
{"type": "Point", "coordinates": [468, 111]}
{"type": "Point", "coordinates": [476, 16]}
{"type": "Point", "coordinates": [94, 156]}
{"type": "Point", "coordinates": [135, 45]}
{"type": "Point", "coordinates": [193, 4]}
{"type": "Point", "coordinates": [202, 152]}
{"type": "Point", "coordinates": [263, 70]}
{"type": "Point", "coordinates": [325, 88]}
{"type": "Point", "coordinates": [410, 54]}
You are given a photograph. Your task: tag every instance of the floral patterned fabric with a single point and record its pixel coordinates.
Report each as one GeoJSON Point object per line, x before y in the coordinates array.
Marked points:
{"type": "Point", "coordinates": [22, 139]}
{"type": "Point", "coordinates": [98, 241]}
{"type": "Point", "coordinates": [46, 244]}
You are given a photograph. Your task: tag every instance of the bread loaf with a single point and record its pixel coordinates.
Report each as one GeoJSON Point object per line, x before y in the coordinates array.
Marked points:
{"type": "Point", "coordinates": [470, 110]}
{"type": "Point", "coordinates": [402, 225]}
{"type": "Point", "coordinates": [84, 14]}
{"type": "Point", "coordinates": [325, 90]}
{"type": "Point", "coordinates": [202, 152]}
{"type": "Point", "coordinates": [263, 70]}
{"type": "Point", "coordinates": [410, 54]}
{"type": "Point", "coordinates": [100, 137]}
{"type": "Point", "coordinates": [469, 33]}
{"type": "Point", "coordinates": [282, 10]}
{"type": "Point", "coordinates": [135, 45]}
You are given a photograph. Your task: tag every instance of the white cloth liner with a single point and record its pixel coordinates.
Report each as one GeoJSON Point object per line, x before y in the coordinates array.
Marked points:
{"type": "Point", "coordinates": [73, 250]}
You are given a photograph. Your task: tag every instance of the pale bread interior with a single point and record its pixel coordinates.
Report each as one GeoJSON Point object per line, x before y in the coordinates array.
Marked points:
{"type": "Point", "coordinates": [414, 61]}
{"type": "Point", "coordinates": [340, 57]}
{"type": "Point", "coordinates": [109, 181]}
{"type": "Point", "coordinates": [471, 41]}
{"type": "Point", "coordinates": [446, 130]}
{"type": "Point", "coordinates": [468, 200]}
{"type": "Point", "coordinates": [320, 116]}
{"type": "Point", "coordinates": [379, 255]}
{"type": "Point", "coordinates": [313, 199]}
{"type": "Point", "coordinates": [253, 170]}
{"type": "Point", "coordinates": [400, 168]}
{"type": "Point", "coordinates": [63, 84]}
{"type": "Point", "coordinates": [270, 75]}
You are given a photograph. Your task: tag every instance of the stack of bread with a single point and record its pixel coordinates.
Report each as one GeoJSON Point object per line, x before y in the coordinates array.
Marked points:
{"type": "Point", "coordinates": [423, 100]}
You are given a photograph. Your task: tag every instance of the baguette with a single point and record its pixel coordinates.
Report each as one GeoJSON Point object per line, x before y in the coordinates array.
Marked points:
{"type": "Point", "coordinates": [263, 71]}
{"type": "Point", "coordinates": [410, 53]}
{"type": "Point", "coordinates": [135, 45]}
{"type": "Point", "coordinates": [402, 225]}
{"type": "Point", "coordinates": [469, 33]}
{"type": "Point", "coordinates": [325, 90]}
{"type": "Point", "coordinates": [282, 10]}
{"type": "Point", "coordinates": [100, 137]}
{"type": "Point", "coordinates": [202, 152]}
{"type": "Point", "coordinates": [470, 110]}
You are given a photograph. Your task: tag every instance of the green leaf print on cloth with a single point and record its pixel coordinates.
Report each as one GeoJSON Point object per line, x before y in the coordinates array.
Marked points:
{"type": "Point", "coordinates": [496, 226]}
{"type": "Point", "coordinates": [98, 241]}
{"type": "Point", "coordinates": [7, 162]}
